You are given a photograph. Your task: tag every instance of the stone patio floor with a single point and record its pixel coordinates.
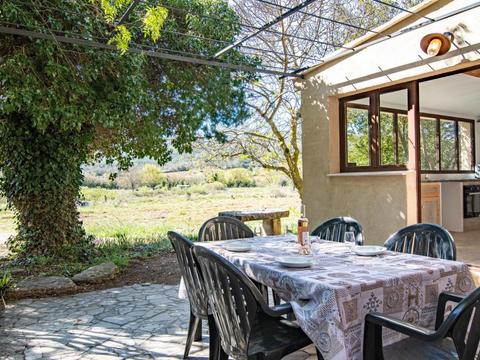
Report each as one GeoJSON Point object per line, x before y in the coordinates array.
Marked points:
{"type": "Point", "coordinates": [134, 322]}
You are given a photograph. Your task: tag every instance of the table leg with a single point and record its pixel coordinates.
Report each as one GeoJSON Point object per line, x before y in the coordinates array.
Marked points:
{"type": "Point", "coordinates": [272, 226]}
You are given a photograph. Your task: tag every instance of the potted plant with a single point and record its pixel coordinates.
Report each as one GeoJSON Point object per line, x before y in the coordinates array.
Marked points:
{"type": "Point", "coordinates": [6, 282]}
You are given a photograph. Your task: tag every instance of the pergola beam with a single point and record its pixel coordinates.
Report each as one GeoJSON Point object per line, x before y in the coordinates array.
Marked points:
{"type": "Point", "coordinates": [151, 53]}
{"type": "Point", "coordinates": [265, 27]}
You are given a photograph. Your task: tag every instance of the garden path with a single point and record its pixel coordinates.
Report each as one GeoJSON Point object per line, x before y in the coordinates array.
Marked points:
{"type": "Point", "coordinates": [145, 321]}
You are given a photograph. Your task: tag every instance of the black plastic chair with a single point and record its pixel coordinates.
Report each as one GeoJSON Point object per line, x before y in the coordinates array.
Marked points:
{"type": "Point", "coordinates": [248, 328]}
{"type": "Point", "coordinates": [196, 294]}
{"type": "Point", "coordinates": [224, 228]}
{"type": "Point", "coordinates": [335, 229]}
{"type": "Point", "coordinates": [228, 228]}
{"type": "Point", "coordinates": [457, 336]}
{"type": "Point", "coordinates": [423, 239]}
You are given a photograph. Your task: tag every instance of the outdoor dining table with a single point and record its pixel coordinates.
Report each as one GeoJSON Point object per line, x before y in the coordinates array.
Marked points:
{"type": "Point", "coordinates": [331, 298]}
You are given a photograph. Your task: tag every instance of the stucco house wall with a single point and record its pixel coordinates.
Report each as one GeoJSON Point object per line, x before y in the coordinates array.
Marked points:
{"type": "Point", "coordinates": [382, 202]}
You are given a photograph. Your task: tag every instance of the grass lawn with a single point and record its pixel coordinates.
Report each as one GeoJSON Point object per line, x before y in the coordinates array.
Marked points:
{"type": "Point", "coordinates": [148, 214]}
{"type": "Point", "coordinates": [138, 220]}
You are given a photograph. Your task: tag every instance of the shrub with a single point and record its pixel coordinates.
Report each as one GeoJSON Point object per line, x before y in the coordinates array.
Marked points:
{"type": "Point", "coordinates": [151, 176]}
{"type": "Point", "coordinates": [238, 178]}
{"type": "Point", "coordinates": [284, 181]}
{"type": "Point", "coordinates": [6, 282]}
{"type": "Point", "coordinates": [102, 181]}
{"type": "Point", "coordinates": [130, 179]}
{"type": "Point", "coordinates": [197, 189]}
{"type": "Point", "coordinates": [216, 186]}
{"type": "Point", "coordinates": [184, 178]}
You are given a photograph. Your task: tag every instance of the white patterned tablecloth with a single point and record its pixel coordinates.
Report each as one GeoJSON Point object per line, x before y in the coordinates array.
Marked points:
{"type": "Point", "coordinates": [331, 299]}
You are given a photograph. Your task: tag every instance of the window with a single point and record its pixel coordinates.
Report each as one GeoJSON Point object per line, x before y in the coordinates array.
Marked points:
{"type": "Point", "coordinates": [357, 125]}
{"type": "Point", "coordinates": [429, 144]}
{"type": "Point", "coordinates": [466, 148]}
{"type": "Point", "coordinates": [446, 144]}
{"type": "Point", "coordinates": [374, 136]}
{"type": "Point", "coordinates": [374, 131]}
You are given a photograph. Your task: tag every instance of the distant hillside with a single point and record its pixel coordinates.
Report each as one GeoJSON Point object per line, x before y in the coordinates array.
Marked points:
{"type": "Point", "coordinates": [180, 162]}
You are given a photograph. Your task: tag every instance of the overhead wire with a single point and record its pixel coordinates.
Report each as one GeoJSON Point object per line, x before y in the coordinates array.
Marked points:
{"type": "Point", "coordinates": [403, 31]}
{"type": "Point", "coordinates": [249, 47]}
{"type": "Point", "coordinates": [338, 22]}
{"type": "Point", "coordinates": [153, 52]}
{"type": "Point", "coordinates": [397, 7]}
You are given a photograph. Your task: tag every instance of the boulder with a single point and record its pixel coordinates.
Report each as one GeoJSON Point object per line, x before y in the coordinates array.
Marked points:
{"type": "Point", "coordinates": [96, 274]}
{"type": "Point", "coordinates": [43, 285]}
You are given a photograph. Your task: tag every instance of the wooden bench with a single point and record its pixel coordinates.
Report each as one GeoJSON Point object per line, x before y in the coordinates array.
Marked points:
{"type": "Point", "coordinates": [272, 218]}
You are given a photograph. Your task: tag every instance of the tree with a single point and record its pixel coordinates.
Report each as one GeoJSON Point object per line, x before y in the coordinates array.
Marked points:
{"type": "Point", "coordinates": [272, 136]}
{"type": "Point", "coordinates": [62, 105]}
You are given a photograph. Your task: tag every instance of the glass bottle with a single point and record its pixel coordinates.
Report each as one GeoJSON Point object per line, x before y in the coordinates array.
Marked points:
{"type": "Point", "coordinates": [303, 236]}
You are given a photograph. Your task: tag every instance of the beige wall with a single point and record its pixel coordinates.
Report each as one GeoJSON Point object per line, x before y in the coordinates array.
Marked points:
{"type": "Point", "coordinates": [379, 203]}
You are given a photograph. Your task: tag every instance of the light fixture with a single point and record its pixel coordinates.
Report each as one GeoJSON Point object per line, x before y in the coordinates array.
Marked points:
{"type": "Point", "coordinates": [436, 44]}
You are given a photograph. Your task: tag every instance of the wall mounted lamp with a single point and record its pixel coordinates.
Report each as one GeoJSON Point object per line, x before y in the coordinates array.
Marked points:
{"type": "Point", "coordinates": [436, 44]}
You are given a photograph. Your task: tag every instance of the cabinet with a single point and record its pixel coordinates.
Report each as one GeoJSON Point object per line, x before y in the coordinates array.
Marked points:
{"type": "Point", "coordinates": [431, 204]}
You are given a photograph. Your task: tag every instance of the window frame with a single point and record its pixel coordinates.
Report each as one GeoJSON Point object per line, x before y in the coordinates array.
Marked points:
{"type": "Point", "coordinates": [438, 118]}
{"type": "Point", "coordinates": [374, 136]}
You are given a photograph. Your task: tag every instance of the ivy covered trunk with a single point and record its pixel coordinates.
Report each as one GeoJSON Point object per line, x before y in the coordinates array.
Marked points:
{"type": "Point", "coordinates": [41, 178]}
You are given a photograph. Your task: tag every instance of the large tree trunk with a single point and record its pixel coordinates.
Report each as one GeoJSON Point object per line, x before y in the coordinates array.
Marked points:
{"type": "Point", "coordinates": [41, 178]}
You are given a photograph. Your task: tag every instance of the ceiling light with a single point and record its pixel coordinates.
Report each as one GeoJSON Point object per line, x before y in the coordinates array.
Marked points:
{"type": "Point", "coordinates": [436, 44]}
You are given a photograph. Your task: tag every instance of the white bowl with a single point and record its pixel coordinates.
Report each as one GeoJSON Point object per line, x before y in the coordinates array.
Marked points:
{"type": "Point", "coordinates": [295, 261]}
{"type": "Point", "coordinates": [369, 250]}
{"type": "Point", "coordinates": [238, 247]}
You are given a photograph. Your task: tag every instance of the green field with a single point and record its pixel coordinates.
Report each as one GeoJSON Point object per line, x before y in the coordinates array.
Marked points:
{"type": "Point", "coordinates": [147, 214]}
{"type": "Point", "coordinates": [132, 221]}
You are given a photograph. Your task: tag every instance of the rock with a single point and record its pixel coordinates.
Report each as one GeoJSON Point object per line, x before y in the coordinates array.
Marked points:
{"type": "Point", "coordinates": [96, 274]}
{"type": "Point", "coordinates": [43, 285]}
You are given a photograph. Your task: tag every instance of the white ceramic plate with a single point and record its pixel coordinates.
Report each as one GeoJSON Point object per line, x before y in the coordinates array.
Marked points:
{"type": "Point", "coordinates": [295, 261]}
{"type": "Point", "coordinates": [368, 250]}
{"type": "Point", "coordinates": [238, 247]}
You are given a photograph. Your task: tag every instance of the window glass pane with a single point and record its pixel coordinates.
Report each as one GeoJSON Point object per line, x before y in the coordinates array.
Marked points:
{"type": "Point", "coordinates": [393, 109]}
{"type": "Point", "coordinates": [402, 138]}
{"type": "Point", "coordinates": [465, 137]}
{"type": "Point", "coordinates": [448, 145]}
{"type": "Point", "coordinates": [428, 144]}
{"type": "Point", "coordinates": [387, 139]}
{"type": "Point", "coordinates": [358, 144]}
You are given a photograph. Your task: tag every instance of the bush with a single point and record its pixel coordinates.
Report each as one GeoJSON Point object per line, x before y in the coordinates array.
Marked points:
{"type": "Point", "coordinates": [197, 189]}
{"type": "Point", "coordinates": [151, 176]}
{"type": "Point", "coordinates": [184, 178]}
{"type": "Point", "coordinates": [103, 181]}
{"type": "Point", "coordinates": [205, 189]}
{"type": "Point", "coordinates": [130, 179]}
{"type": "Point", "coordinates": [236, 178]}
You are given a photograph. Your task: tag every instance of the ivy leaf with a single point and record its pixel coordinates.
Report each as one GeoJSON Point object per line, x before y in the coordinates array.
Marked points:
{"type": "Point", "coordinates": [110, 8]}
{"type": "Point", "coordinates": [153, 21]}
{"type": "Point", "coordinates": [121, 38]}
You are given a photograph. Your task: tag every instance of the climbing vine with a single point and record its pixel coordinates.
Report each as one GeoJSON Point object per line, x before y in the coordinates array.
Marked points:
{"type": "Point", "coordinates": [63, 105]}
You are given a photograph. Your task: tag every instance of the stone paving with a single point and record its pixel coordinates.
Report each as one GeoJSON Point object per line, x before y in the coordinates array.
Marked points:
{"type": "Point", "coordinates": [134, 322]}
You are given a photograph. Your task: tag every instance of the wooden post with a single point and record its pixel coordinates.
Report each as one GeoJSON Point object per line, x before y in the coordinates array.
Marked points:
{"type": "Point", "coordinates": [414, 143]}
{"type": "Point", "coordinates": [272, 226]}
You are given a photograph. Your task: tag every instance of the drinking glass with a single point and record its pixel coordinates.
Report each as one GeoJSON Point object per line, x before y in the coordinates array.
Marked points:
{"type": "Point", "coordinates": [350, 239]}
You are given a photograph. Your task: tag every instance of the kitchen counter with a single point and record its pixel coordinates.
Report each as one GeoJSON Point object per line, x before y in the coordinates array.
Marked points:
{"type": "Point", "coordinates": [451, 180]}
